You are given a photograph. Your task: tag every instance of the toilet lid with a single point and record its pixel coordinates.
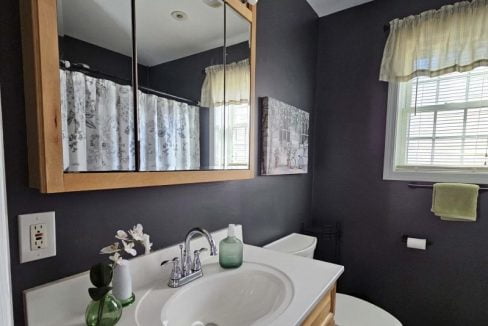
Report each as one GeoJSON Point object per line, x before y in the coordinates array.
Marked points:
{"type": "Point", "coordinates": [293, 243]}
{"type": "Point", "coordinates": [352, 311]}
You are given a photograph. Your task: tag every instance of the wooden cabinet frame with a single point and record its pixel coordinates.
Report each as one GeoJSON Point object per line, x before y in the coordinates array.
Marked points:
{"type": "Point", "coordinates": [43, 114]}
{"type": "Point", "coordinates": [324, 311]}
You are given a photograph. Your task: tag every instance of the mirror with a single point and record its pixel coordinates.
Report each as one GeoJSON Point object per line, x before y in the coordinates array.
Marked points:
{"type": "Point", "coordinates": [177, 40]}
{"type": "Point", "coordinates": [182, 122]}
{"type": "Point", "coordinates": [193, 81]}
{"type": "Point", "coordinates": [235, 116]}
{"type": "Point", "coordinates": [95, 50]}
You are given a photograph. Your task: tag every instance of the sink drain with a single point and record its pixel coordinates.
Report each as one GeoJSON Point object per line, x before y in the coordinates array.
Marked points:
{"type": "Point", "coordinates": [211, 324]}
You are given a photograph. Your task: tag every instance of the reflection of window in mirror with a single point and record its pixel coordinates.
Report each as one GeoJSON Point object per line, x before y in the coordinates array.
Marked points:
{"type": "Point", "coordinates": [232, 150]}
{"type": "Point", "coordinates": [229, 115]}
{"type": "Point", "coordinates": [229, 118]}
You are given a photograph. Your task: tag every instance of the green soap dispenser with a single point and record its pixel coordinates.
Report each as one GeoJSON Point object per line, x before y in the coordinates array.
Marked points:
{"type": "Point", "coordinates": [230, 250]}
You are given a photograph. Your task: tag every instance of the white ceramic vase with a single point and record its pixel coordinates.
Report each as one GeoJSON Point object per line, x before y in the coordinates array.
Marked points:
{"type": "Point", "coordinates": [122, 282]}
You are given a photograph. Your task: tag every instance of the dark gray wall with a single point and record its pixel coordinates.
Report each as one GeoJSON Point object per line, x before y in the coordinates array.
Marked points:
{"type": "Point", "coordinates": [446, 285]}
{"type": "Point", "coordinates": [268, 207]}
{"type": "Point", "coordinates": [100, 59]}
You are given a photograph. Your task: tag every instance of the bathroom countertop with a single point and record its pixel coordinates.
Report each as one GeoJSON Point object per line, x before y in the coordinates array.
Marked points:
{"type": "Point", "coordinates": [63, 302]}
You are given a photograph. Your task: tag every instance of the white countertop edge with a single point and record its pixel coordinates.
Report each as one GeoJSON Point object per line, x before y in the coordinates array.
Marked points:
{"type": "Point", "coordinates": [320, 296]}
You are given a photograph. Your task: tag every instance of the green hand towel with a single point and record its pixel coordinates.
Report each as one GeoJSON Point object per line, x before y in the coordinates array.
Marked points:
{"type": "Point", "coordinates": [455, 201]}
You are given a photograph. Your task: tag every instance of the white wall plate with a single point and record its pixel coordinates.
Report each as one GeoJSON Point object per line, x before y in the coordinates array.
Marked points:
{"type": "Point", "coordinates": [30, 249]}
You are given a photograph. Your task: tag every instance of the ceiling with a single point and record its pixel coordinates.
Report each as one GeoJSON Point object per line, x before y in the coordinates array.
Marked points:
{"type": "Point", "coordinates": [160, 37]}
{"type": "Point", "coordinates": [327, 7]}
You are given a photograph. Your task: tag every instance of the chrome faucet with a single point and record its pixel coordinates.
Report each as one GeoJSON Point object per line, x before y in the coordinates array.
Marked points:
{"type": "Point", "coordinates": [185, 269]}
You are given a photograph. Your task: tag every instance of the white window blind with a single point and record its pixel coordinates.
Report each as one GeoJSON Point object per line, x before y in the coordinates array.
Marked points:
{"type": "Point", "coordinates": [238, 148]}
{"type": "Point", "coordinates": [231, 136]}
{"type": "Point", "coordinates": [442, 122]}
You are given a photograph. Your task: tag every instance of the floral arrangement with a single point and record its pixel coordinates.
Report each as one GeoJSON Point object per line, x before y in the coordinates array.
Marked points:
{"type": "Point", "coordinates": [126, 244]}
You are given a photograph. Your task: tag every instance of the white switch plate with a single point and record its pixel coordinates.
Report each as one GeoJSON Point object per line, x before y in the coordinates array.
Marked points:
{"type": "Point", "coordinates": [34, 247]}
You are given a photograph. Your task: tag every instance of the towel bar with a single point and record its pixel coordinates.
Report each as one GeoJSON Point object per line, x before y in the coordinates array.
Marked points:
{"type": "Point", "coordinates": [417, 185]}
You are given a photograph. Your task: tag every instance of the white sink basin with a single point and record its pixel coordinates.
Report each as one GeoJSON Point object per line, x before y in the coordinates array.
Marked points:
{"type": "Point", "coordinates": [253, 294]}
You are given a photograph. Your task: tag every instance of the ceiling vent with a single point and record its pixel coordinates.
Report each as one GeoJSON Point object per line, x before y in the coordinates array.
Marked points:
{"type": "Point", "coordinates": [179, 15]}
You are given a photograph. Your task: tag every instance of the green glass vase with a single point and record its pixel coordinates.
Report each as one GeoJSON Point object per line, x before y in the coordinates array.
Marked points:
{"type": "Point", "coordinates": [105, 312]}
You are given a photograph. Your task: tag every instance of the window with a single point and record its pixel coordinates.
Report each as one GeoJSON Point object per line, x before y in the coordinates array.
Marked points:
{"type": "Point", "coordinates": [238, 132]}
{"type": "Point", "coordinates": [230, 137]}
{"type": "Point", "coordinates": [437, 128]}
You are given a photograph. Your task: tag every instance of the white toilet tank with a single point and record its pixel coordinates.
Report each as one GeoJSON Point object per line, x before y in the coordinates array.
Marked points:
{"type": "Point", "coordinates": [350, 311]}
{"type": "Point", "coordinates": [295, 244]}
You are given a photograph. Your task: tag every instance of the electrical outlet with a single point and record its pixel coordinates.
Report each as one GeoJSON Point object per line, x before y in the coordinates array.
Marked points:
{"type": "Point", "coordinates": [37, 236]}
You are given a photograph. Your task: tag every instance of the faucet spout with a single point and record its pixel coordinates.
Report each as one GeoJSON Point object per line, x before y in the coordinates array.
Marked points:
{"type": "Point", "coordinates": [204, 233]}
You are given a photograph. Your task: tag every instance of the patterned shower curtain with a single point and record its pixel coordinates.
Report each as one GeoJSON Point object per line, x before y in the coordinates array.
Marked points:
{"type": "Point", "coordinates": [169, 133]}
{"type": "Point", "coordinates": [98, 128]}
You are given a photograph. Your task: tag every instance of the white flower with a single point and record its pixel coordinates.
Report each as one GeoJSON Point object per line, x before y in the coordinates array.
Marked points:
{"type": "Point", "coordinates": [122, 235]}
{"type": "Point", "coordinates": [116, 258]}
{"type": "Point", "coordinates": [147, 244]}
{"type": "Point", "coordinates": [136, 233]}
{"type": "Point", "coordinates": [110, 249]}
{"type": "Point", "coordinates": [127, 243]}
{"type": "Point", "coordinates": [129, 248]}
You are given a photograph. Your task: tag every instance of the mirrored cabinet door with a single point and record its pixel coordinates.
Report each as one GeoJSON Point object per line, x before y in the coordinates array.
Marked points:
{"type": "Point", "coordinates": [233, 139]}
{"type": "Point", "coordinates": [177, 42]}
{"type": "Point", "coordinates": [97, 111]}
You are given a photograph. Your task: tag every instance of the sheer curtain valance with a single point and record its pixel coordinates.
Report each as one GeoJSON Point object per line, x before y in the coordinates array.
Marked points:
{"type": "Point", "coordinates": [238, 91]}
{"type": "Point", "coordinates": [436, 42]}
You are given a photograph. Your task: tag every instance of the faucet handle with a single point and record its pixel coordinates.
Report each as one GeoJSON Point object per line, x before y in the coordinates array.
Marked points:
{"type": "Point", "coordinates": [197, 264]}
{"type": "Point", "coordinates": [168, 261]}
{"type": "Point", "coordinates": [199, 251]}
{"type": "Point", "coordinates": [165, 262]}
{"type": "Point", "coordinates": [176, 271]}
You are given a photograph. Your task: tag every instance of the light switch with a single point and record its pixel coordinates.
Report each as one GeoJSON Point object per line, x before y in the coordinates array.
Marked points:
{"type": "Point", "coordinates": [37, 236]}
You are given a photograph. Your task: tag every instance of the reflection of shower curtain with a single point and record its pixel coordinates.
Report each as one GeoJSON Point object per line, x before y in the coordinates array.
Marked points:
{"type": "Point", "coordinates": [169, 134]}
{"type": "Point", "coordinates": [98, 128]}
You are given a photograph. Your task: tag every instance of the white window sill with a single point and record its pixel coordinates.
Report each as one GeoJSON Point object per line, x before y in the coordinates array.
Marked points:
{"type": "Point", "coordinates": [430, 176]}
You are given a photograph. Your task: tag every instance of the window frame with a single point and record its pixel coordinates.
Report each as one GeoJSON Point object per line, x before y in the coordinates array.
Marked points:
{"type": "Point", "coordinates": [222, 116]}
{"type": "Point", "coordinates": [422, 174]}
{"type": "Point", "coordinates": [229, 161]}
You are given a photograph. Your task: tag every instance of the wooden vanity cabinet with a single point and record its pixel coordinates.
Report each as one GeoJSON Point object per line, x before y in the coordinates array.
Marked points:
{"type": "Point", "coordinates": [323, 313]}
